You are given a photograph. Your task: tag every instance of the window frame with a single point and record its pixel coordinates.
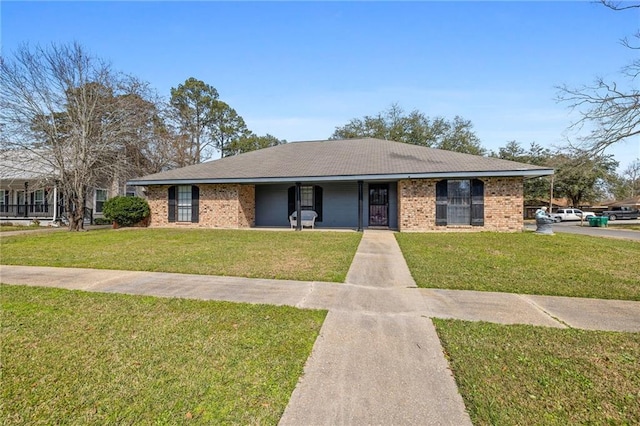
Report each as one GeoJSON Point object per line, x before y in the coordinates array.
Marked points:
{"type": "Point", "coordinates": [184, 203]}
{"type": "Point", "coordinates": [178, 208]}
{"type": "Point", "coordinates": [4, 200]}
{"type": "Point", "coordinates": [317, 198]}
{"type": "Point", "coordinates": [474, 203]}
{"type": "Point", "coordinates": [98, 202]}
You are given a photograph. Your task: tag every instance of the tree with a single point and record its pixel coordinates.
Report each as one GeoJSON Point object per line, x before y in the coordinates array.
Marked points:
{"type": "Point", "coordinates": [632, 177]}
{"type": "Point", "coordinates": [627, 184]}
{"type": "Point", "coordinates": [612, 108]}
{"type": "Point", "coordinates": [582, 178]}
{"type": "Point", "coordinates": [414, 128]}
{"type": "Point", "coordinates": [252, 142]}
{"type": "Point", "coordinates": [535, 189]}
{"type": "Point", "coordinates": [226, 127]}
{"type": "Point", "coordinates": [73, 114]}
{"type": "Point", "coordinates": [194, 104]}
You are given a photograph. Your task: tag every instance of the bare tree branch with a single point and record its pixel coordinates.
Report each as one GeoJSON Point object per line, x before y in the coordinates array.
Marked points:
{"type": "Point", "coordinates": [620, 5]}
{"type": "Point", "coordinates": [71, 111]}
{"type": "Point", "coordinates": [609, 109]}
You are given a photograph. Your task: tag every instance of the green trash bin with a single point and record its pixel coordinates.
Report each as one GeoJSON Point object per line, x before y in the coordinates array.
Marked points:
{"type": "Point", "coordinates": [600, 221]}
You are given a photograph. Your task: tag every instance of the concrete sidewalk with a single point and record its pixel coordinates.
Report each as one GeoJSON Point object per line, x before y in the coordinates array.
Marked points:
{"type": "Point", "coordinates": [504, 308]}
{"type": "Point", "coordinates": [378, 359]}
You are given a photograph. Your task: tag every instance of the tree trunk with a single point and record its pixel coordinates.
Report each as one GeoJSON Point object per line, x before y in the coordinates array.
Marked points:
{"type": "Point", "coordinates": [75, 209]}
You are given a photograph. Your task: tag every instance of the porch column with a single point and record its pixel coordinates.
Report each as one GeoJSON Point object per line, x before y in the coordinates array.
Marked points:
{"type": "Point", "coordinates": [26, 199]}
{"type": "Point", "coordinates": [360, 209]}
{"type": "Point", "coordinates": [55, 202]}
{"type": "Point", "coordinates": [298, 207]}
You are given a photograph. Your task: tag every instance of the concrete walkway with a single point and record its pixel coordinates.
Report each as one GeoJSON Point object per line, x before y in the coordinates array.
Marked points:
{"type": "Point", "coordinates": [378, 359]}
{"type": "Point", "coordinates": [373, 363]}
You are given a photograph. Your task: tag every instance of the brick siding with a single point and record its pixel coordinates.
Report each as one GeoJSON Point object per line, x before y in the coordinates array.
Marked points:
{"type": "Point", "coordinates": [503, 206]}
{"type": "Point", "coordinates": [221, 206]}
{"type": "Point", "coordinates": [233, 206]}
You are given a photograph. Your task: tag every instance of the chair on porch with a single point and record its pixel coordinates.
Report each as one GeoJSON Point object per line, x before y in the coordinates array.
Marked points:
{"type": "Point", "coordinates": [308, 218]}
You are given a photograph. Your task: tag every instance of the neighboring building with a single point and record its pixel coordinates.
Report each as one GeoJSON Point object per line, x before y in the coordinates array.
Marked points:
{"type": "Point", "coordinates": [633, 202]}
{"type": "Point", "coordinates": [355, 183]}
{"type": "Point", "coordinates": [29, 191]}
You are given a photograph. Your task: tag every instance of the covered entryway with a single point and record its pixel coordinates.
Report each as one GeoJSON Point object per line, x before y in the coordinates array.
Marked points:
{"type": "Point", "coordinates": [379, 204]}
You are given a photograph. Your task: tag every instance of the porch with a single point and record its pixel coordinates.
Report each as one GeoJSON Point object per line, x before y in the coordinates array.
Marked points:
{"type": "Point", "coordinates": [27, 213]}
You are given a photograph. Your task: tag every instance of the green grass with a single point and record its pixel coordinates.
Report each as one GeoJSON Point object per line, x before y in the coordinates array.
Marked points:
{"type": "Point", "coordinates": [625, 226]}
{"type": "Point", "coordinates": [558, 265]}
{"type": "Point", "coordinates": [320, 256]}
{"type": "Point", "coordinates": [7, 228]}
{"type": "Point", "coordinates": [71, 357]}
{"type": "Point", "coordinates": [525, 375]}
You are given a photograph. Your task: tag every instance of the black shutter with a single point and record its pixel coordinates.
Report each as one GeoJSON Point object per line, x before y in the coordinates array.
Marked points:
{"type": "Point", "coordinates": [172, 204]}
{"type": "Point", "coordinates": [195, 204]}
{"type": "Point", "coordinates": [291, 201]}
{"type": "Point", "coordinates": [46, 201]}
{"type": "Point", "coordinates": [317, 201]}
{"type": "Point", "coordinates": [477, 202]}
{"type": "Point", "coordinates": [441, 203]}
{"type": "Point", "coordinates": [31, 204]}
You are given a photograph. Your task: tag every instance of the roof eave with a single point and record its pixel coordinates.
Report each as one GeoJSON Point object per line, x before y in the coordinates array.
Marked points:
{"type": "Point", "coordinates": [530, 173]}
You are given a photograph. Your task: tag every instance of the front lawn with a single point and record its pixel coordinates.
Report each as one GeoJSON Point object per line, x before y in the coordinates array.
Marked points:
{"type": "Point", "coordinates": [527, 263]}
{"type": "Point", "coordinates": [8, 228]}
{"type": "Point", "coordinates": [525, 375]}
{"type": "Point", "coordinates": [308, 256]}
{"type": "Point", "coordinates": [624, 226]}
{"type": "Point", "coordinates": [72, 357]}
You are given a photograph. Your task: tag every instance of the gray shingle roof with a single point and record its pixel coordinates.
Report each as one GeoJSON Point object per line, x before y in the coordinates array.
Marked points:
{"type": "Point", "coordinates": [350, 159]}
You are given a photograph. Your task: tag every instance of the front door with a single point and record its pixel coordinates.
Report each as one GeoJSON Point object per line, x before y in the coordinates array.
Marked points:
{"type": "Point", "coordinates": [379, 204]}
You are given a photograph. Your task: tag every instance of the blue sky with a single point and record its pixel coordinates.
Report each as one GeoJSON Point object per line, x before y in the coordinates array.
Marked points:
{"type": "Point", "coordinates": [297, 70]}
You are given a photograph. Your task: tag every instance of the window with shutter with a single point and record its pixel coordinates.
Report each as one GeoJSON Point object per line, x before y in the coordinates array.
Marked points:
{"type": "Point", "coordinates": [460, 202]}
{"type": "Point", "coordinates": [310, 199]}
{"type": "Point", "coordinates": [477, 202]}
{"type": "Point", "coordinates": [441, 203]}
{"type": "Point", "coordinates": [195, 204]}
{"type": "Point", "coordinates": [172, 204]}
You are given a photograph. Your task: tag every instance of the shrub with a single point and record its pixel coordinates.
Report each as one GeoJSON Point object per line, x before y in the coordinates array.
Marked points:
{"type": "Point", "coordinates": [126, 211]}
{"type": "Point", "coordinates": [101, 221]}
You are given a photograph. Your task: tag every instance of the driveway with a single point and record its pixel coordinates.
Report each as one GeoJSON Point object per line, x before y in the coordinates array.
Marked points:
{"type": "Point", "coordinates": [585, 229]}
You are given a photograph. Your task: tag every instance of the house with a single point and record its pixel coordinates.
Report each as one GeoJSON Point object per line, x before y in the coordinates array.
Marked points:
{"type": "Point", "coordinates": [633, 202]}
{"type": "Point", "coordinates": [354, 183]}
{"type": "Point", "coordinates": [29, 191]}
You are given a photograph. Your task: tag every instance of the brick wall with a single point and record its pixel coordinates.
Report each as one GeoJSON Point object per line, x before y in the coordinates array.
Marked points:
{"type": "Point", "coordinates": [221, 206]}
{"type": "Point", "coordinates": [503, 206]}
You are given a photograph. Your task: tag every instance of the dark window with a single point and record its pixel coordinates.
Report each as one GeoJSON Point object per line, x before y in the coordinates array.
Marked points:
{"type": "Point", "coordinates": [101, 197]}
{"type": "Point", "coordinates": [184, 203]}
{"type": "Point", "coordinates": [310, 199]}
{"type": "Point", "coordinates": [4, 200]}
{"type": "Point", "coordinates": [460, 202]}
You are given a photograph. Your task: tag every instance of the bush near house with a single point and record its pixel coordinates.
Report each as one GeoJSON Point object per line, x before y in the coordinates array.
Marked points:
{"type": "Point", "coordinates": [126, 211]}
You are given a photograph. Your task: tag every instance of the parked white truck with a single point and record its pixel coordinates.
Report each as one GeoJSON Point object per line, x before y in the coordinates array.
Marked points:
{"type": "Point", "coordinates": [570, 214]}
